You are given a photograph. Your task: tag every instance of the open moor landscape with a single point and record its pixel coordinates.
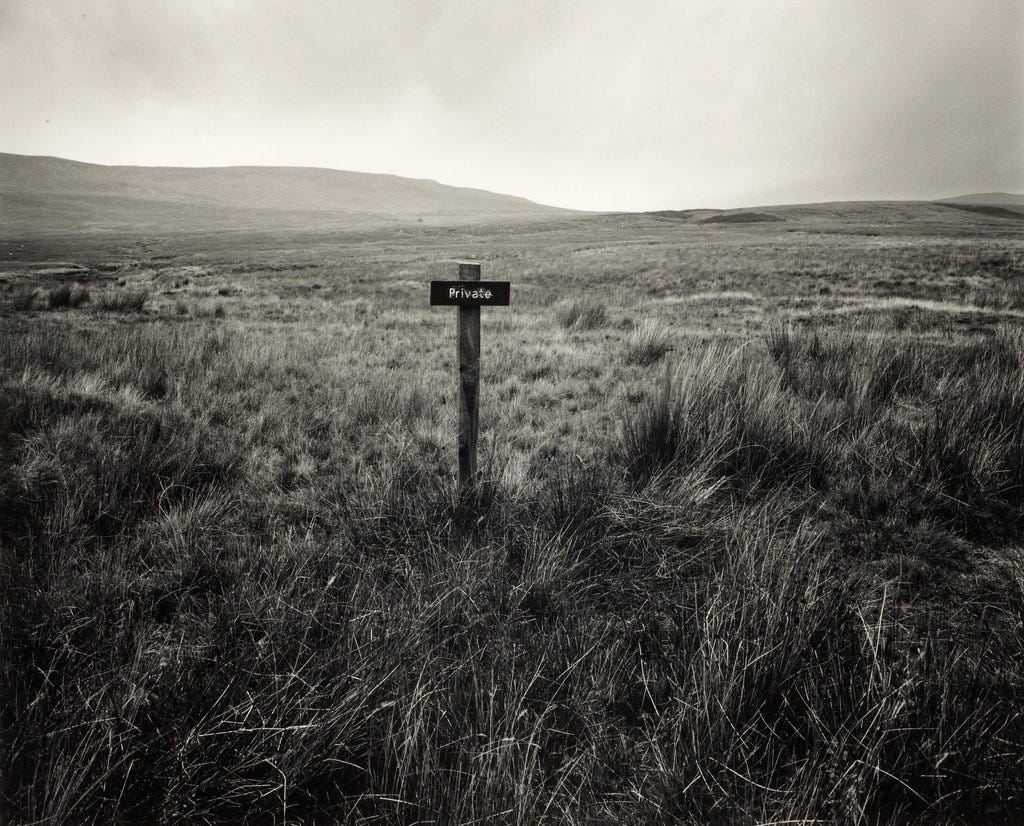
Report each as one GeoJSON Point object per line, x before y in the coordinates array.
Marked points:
{"type": "Point", "coordinates": [748, 548]}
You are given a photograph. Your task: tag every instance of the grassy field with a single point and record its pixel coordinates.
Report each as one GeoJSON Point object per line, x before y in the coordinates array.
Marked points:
{"type": "Point", "coordinates": [748, 548]}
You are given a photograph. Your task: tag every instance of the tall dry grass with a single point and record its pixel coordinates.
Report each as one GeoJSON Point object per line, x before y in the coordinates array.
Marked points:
{"type": "Point", "coordinates": [220, 602]}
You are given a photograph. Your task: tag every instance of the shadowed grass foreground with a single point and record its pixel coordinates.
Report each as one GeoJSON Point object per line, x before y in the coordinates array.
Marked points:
{"type": "Point", "coordinates": [230, 590]}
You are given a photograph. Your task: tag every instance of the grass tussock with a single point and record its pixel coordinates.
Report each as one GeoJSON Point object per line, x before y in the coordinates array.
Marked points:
{"type": "Point", "coordinates": [66, 295]}
{"type": "Point", "coordinates": [581, 314]}
{"type": "Point", "coordinates": [880, 428]}
{"type": "Point", "coordinates": [123, 300]}
{"type": "Point", "coordinates": [221, 603]}
{"type": "Point", "coordinates": [722, 414]}
{"type": "Point", "coordinates": [648, 344]}
{"type": "Point", "coordinates": [24, 299]}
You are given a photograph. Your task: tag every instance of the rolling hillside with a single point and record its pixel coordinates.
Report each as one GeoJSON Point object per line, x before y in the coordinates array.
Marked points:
{"type": "Point", "coordinates": [1003, 199]}
{"type": "Point", "coordinates": [952, 214]}
{"type": "Point", "coordinates": [45, 194]}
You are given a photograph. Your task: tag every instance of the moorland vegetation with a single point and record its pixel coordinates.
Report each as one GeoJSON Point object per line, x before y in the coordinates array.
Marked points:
{"type": "Point", "coordinates": [747, 548]}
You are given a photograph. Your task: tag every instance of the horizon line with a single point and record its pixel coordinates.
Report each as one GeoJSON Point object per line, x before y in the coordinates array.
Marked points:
{"type": "Point", "coordinates": [512, 195]}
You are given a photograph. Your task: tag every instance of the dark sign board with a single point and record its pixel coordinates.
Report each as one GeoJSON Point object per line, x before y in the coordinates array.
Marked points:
{"type": "Point", "coordinates": [470, 293]}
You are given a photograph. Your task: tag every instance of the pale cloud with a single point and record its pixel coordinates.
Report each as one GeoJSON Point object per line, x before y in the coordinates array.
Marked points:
{"type": "Point", "coordinates": [606, 105]}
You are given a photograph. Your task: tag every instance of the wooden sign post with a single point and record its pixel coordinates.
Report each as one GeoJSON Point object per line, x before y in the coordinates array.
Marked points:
{"type": "Point", "coordinates": [469, 294]}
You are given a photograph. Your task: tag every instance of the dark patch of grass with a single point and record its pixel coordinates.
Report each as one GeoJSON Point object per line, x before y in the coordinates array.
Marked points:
{"type": "Point", "coordinates": [845, 710]}
{"type": "Point", "coordinates": [24, 299]}
{"type": "Point", "coordinates": [742, 218]}
{"type": "Point", "coordinates": [66, 295]}
{"type": "Point", "coordinates": [123, 301]}
{"type": "Point", "coordinates": [1004, 295]}
{"type": "Point", "coordinates": [90, 466]}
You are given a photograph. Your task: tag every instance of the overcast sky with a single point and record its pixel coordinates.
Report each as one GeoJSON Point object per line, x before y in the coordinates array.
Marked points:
{"type": "Point", "coordinates": [638, 104]}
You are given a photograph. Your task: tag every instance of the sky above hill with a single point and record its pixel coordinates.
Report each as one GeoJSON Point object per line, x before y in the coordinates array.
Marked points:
{"type": "Point", "coordinates": [647, 104]}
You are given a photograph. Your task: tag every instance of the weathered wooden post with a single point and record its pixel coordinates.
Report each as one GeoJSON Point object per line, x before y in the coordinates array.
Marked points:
{"type": "Point", "coordinates": [468, 355]}
{"type": "Point", "coordinates": [469, 294]}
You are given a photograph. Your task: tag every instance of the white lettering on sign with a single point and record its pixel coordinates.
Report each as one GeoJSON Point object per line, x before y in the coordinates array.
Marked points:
{"type": "Point", "coordinates": [462, 292]}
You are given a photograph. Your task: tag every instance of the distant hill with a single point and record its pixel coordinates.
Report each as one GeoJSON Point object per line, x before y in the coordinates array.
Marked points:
{"type": "Point", "coordinates": [41, 194]}
{"type": "Point", "coordinates": [1003, 199]}
{"type": "Point", "coordinates": [863, 215]}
